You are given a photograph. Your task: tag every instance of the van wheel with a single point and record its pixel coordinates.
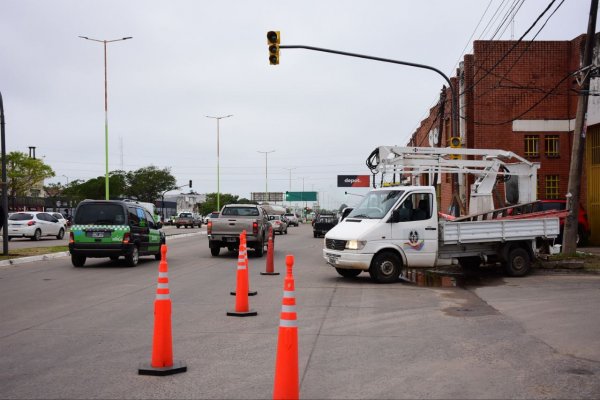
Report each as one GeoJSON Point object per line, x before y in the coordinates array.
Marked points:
{"type": "Point", "coordinates": [157, 256]}
{"type": "Point", "coordinates": [37, 235]}
{"type": "Point", "coordinates": [61, 234]}
{"type": "Point", "coordinates": [133, 258]}
{"type": "Point", "coordinates": [215, 251]}
{"type": "Point", "coordinates": [518, 262]}
{"type": "Point", "coordinates": [77, 260]}
{"type": "Point", "coordinates": [348, 273]}
{"type": "Point", "coordinates": [385, 268]}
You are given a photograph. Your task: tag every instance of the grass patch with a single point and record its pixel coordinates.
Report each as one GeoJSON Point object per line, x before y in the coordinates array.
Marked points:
{"type": "Point", "coordinates": [590, 261]}
{"type": "Point", "coordinates": [33, 251]}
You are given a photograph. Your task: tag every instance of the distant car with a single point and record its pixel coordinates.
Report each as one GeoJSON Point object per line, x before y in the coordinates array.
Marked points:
{"type": "Point", "coordinates": [214, 214]}
{"type": "Point", "coordinates": [323, 223]}
{"type": "Point", "coordinates": [292, 219]}
{"type": "Point", "coordinates": [583, 224]}
{"type": "Point", "coordinates": [61, 218]}
{"type": "Point", "coordinates": [278, 223]}
{"type": "Point", "coordinates": [34, 225]}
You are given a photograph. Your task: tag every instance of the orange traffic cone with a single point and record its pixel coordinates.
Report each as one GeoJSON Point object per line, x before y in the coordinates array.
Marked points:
{"type": "Point", "coordinates": [286, 365]}
{"type": "Point", "coordinates": [270, 269]}
{"type": "Point", "coordinates": [243, 239]}
{"type": "Point", "coordinates": [242, 309]}
{"type": "Point", "coordinates": [162, 343]}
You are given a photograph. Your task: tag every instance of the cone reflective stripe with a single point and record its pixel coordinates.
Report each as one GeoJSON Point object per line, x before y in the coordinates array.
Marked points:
{"type": "Point", "coordinates": [242, 308]}
{"type": "Point", "coordinates": [270, 268]}
{"type": "Point", "coordinates": [162, 342]}
{"type": "Point", "coordinates": [286, 365]}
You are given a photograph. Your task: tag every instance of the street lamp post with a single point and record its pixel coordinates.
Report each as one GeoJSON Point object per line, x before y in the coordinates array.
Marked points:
{"type": "Point", "coordinates": [266, 153]}
{"type": "Point", "coordinates": [290, 171]}
{"type": "Point", "coordinates": [218, 172]}
{"type": "Point", "coordinates": [105, 106]}
{"type": "Point", "coordinates": [4, 183]}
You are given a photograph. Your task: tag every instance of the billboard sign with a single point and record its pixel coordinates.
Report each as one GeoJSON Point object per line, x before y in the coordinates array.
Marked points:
{"type": "Point", "coordinates": [271, 196]}
{"type": "Point", "coordinates": [354, 181]}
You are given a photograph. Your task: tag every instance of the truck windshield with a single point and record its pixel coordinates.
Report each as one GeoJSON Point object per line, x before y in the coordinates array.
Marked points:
{"type": "Point", "coordinates": [376, 204]}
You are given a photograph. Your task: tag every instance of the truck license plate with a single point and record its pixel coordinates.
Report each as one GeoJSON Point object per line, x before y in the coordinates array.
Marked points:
{"type": "Point", "coordinates": [332, 258]}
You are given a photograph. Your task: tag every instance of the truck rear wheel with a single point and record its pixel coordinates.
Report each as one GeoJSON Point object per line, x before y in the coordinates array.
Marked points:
{"type": "Point", "coordinates": [259, 248]}
{"type": "Point", "coordinates": [348, 273]}
{"type": "Point", "coordinates": [385, 267]}
{"type": "Point", "coordinates": [215, 251]}
{"type": "Point", "coordinates": [518, 262]}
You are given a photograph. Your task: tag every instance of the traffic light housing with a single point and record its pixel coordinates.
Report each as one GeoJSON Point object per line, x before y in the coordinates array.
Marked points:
{"type": "Point", "coordinates": [190, 183]}
{"type": "Point", "coordinates": [455, 143]}
{"type": "Point", "coordinates": [273, 41]}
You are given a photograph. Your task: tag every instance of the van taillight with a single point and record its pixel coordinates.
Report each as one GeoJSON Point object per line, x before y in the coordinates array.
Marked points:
{"type": "Point", "coordinates": [31, 223]}
{"type": "Point", "coordinates": [209, 227]}
{"type": "Point", "coordinates": [71, 237]}
{"type": "Point", "coordinates": [255, 228]}
{"type": "Point", "coordinates": [126, 237]}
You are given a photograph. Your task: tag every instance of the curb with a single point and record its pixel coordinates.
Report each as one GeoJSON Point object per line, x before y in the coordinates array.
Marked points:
{"type": "Point", "coordinates": [51, 256]}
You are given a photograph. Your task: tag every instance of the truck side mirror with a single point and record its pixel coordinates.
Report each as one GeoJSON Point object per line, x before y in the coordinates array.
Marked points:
{"type": "Point", "coordinates": [159, 225]}
{"type": "Point", "coordinates": [395, 215]}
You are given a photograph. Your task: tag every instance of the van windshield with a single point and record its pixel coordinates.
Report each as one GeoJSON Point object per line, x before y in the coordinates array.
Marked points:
{"type": "Point", "coordinates": [100, 214]}
{"type": "Point", "coordinates": [376, 204]}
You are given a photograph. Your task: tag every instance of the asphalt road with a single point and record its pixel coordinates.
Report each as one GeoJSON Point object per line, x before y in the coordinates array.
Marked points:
{"type": "Point", "coordinates": [47, 241]}
{"type": "Point", "coordinates": [70, 332]}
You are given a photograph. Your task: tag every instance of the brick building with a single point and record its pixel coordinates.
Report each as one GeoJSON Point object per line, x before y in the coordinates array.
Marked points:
{"type": "Point", "coordinates": [522, 97]}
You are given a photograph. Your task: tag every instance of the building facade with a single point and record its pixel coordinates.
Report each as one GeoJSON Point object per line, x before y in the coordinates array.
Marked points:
{"type": "Point", "coordinates": [522, 97]}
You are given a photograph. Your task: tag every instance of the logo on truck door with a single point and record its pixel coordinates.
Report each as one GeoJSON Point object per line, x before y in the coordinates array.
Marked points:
{"type": "Point", "coordinates": [413, 241]}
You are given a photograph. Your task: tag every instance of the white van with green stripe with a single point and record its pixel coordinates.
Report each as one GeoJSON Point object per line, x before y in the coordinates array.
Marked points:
{"type": "Point", "coordinates": [113, 229]}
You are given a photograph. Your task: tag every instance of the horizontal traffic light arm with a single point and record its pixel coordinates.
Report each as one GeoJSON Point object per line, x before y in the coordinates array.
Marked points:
{"type": "Point", "coordinates": [387, 60]}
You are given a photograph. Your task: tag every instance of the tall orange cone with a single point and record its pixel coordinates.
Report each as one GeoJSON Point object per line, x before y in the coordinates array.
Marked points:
{"type": "Point", "coordinates": [242, 308]}
{"type": "Point", "coordinates": [162, 343]}
{"type": "Point", "coordinates": [270, 268]}
{"type": "Point", "coordinates": [286, 365]}
{"type": "Point", "coordinates": [243, 239]}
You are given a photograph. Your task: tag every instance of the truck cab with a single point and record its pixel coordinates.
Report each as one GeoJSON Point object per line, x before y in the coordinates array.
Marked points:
{"type": "Point", "coordinates": [369, 230]}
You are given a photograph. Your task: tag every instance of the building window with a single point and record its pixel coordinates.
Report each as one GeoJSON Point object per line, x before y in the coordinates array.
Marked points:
{"type": "Point", "coordinates": [532, 146]}
{"type": "Point", "coordinates": [552, 186]}
{"type": "Point", "coordinates": [551, 146]}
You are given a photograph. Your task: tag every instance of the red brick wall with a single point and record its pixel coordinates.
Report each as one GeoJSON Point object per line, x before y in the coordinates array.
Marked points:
{"type": "Point", "coordinates": [512, 90]}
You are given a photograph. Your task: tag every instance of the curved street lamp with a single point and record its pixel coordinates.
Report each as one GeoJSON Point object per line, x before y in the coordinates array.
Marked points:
{"type": "Point", "coordinates": [218, 172]}
{"type": "Point", "coordinates": [106, 104]}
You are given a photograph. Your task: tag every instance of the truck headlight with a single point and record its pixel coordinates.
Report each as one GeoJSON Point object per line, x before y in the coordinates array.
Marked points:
{"type": "Point", "coordinates": [355, 244]}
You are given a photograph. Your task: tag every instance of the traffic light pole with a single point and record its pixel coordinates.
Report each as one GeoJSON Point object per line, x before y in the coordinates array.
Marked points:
{"type": "Point", "coordinates": [387, 60]}
{"type": "Point", "coordinates": [456, 202]}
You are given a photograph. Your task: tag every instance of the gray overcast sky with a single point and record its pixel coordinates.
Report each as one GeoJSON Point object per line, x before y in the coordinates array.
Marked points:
{"type": "Point", "coordinates": [321, 113]}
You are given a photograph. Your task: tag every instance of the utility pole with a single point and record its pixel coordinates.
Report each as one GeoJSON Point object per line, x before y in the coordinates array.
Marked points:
{"type": "Point", "coordinates": [575, 171]}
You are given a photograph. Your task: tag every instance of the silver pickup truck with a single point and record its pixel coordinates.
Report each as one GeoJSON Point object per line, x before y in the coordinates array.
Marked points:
{"type": "Point", "coordinates": [225, 230]}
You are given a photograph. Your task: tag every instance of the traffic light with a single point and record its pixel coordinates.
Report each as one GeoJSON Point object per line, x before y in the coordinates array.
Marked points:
{"type": "Point", "coordinates": [455, 143]}
{"type": "Point", "coordinates": [273, 41]}
{"type": "Point", "coordinates": [190, 183]}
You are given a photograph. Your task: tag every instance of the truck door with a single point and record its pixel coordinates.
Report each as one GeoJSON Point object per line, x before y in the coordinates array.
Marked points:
{"type": "Point", "coordinates": [416, 233]}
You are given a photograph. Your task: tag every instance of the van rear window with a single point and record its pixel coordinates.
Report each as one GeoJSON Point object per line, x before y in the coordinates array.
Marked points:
{"type": "Point", "coordinates": [100, 214]}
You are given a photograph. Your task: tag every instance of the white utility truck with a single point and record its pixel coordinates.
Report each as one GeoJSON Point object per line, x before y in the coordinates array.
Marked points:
{"type": "Point", "coordinates": [396, 228]}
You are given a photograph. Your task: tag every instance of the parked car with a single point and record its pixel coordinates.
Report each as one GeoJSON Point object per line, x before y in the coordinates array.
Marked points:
{"type": "Point", "coordinates": [583, 224]}
{"type": "Point", "coordinates": [292, 219]}
{"type": "Point", "coordinates": [278, 223]}
{"type": "Point", "coordinates": [34, 225]}
{"type": "Point", "coordinates": [61, 218]}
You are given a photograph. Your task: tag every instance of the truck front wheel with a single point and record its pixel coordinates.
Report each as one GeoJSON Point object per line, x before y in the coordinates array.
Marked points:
{"type": "Point", "coordinates": [385, 267]}
{"type": "Point", "coordinates": [518, 262]}
{"type": "Point", "coordinates": [348, 273]}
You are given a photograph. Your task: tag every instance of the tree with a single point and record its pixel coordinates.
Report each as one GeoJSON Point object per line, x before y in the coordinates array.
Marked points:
{"type": "Point", "coordinates": [148, 183]}
{"type": "Point", "coordinates": [24, 172]}
{"type": "Point", "coordinates": [95, 188]}
{"type": "Point", "coordinates": [210, 204]}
